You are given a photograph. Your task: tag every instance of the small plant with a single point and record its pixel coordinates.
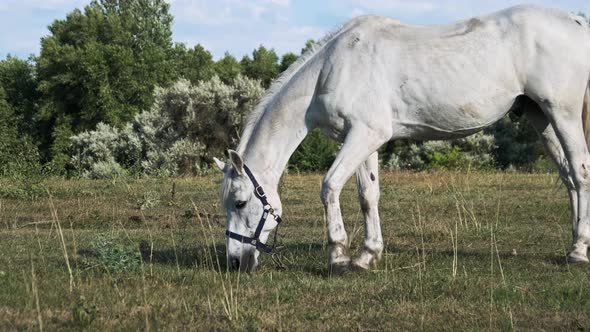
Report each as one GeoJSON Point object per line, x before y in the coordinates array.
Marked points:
{"type": "Point", "coordinates": [148, 200]}
{"type": "Point", "coordinates": [83, 313]}
{"type": "Point", "coordinates": [112, 255]}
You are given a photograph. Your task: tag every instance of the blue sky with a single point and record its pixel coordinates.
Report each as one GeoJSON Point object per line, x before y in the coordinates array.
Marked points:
{"type": "Point", "coordinates": [239, 26]}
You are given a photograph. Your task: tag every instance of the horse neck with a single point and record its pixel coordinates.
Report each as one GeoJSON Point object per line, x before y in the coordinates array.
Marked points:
{"type": "Point", "coordinates": [274, 138]}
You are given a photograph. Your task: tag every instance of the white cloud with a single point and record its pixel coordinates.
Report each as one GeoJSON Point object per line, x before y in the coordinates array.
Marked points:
{"type": "Point", "coordinates": [239, 26]}
{"type": "Point", "coordinates": [20, 5]}
{"type": "Point", "coordinates": [223, 12]}
{"type": "Point", "coordinates": [400, 5]}
{"type": "Point", "coordinates": [283, 3]}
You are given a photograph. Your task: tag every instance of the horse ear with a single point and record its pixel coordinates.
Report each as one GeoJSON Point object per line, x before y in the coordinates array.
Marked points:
{"type": "Point", "coordinates": [236, 162]}
{"type": "Point", "coordinates": [219, 164]}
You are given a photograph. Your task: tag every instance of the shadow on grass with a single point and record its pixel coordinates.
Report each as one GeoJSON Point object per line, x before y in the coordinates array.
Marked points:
{"type": "Point", "coordinates": [312, 258]}
{"type": "Point", "coordinates": [295, 256]}
{"type": "Point", "coordinates": [206, 257]}
{"type": "Point", "coordinates": [306, 257]}
{"type": "Point", "coordinates": [484, 254]}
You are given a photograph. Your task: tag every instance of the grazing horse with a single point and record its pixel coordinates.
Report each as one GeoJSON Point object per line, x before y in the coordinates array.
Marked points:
{"type": "Point", "coordinates": [375, 80]}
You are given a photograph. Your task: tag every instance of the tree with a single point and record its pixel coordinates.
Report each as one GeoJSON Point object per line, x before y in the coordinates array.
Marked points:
{"type": "Point", "coordinates": [18, 156]}
{"type": "Point", "coordinates": [227, 68]}
{"type": "Point", "coordinates": [19, 82]}
{"type": "Point", "coordinates": [194, 64]}
{"type": "Point", "coordinates": [287, 60]}
{"type": "Point", "coordinates": [263, 66]}
{"type": "Point", "coordinates": [308, 45]}
{"type": "Point", "coordinates": [316, 153]}
{"type": "Point", "coordinates": [102, 65]}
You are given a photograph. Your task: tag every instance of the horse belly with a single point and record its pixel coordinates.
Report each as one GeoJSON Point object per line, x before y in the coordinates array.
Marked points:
{"type": "Point", "coordinates": [435, 121]}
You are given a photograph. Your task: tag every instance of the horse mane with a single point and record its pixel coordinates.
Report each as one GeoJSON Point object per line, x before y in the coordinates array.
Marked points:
{"type": "Point", "coordinates": [277, 85]}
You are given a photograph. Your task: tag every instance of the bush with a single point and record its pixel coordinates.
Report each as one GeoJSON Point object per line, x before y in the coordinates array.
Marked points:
{"type": "Point", "coordinates": [186, 127]}
{"type": "Point", "coordinates": [517, 143]}
{"type": "Point", "coordinates": [316, 153]}
{"type": "Point", "coordinates": [113, 255]}
{"type": "Point", "coordinates": [474, 151]}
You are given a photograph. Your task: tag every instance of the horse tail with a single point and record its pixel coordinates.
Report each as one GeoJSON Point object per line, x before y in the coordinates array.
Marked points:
{"type": "Point", "coordinates": [586, 114]}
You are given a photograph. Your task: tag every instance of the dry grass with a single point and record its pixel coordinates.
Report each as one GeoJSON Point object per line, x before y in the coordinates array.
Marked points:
{"type": "Point", "coordinates": [463, 252]}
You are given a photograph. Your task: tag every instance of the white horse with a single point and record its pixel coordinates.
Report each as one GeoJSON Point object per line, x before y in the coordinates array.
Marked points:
{"type": "Point", "coordinates": [376, 80]}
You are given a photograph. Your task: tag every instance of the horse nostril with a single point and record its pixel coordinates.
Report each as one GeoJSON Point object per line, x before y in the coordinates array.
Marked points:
{"type": "Point", "coordinates": [235, 263]}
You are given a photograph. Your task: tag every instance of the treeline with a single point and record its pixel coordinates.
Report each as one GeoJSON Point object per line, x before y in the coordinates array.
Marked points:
{"type": "Point", "coordinates": [102, 65]}
{"type": "Point", "coordinates": [112, 71]}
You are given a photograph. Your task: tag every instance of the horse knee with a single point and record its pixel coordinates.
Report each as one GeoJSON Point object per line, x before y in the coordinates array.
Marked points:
{"type": "Point", "coordinates": [369, 198]}
{"type": "Point", "coordinates": [329, 193]}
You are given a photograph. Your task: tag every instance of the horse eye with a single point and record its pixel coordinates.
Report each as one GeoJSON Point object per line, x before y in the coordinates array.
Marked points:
{"type": "Point", "coordinates": [240, 204]}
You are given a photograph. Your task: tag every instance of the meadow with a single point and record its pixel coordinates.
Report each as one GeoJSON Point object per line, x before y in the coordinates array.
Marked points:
{"type": "Point", "coordinates": [463, 251]}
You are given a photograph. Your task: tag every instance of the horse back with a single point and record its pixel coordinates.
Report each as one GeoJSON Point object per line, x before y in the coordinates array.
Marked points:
{"type": "Point", "coordinates": [438, 81]}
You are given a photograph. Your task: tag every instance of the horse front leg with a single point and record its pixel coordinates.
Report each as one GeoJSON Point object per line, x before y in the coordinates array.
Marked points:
{"type": "Point", "coordinates": [367, 178]}
{"type": "Point", "coordinates": [359, 144]}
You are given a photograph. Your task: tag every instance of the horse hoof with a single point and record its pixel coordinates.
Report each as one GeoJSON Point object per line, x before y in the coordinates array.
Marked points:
{"type": "Point", "coordinates": [574, 258]}
{"type": "Point", "coordinates": [339, 269]}
{"type": "Point", "coordinates": [358, 267]}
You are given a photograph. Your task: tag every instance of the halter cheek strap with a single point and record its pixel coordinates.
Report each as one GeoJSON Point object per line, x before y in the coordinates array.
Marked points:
{"type": "Point", "coordinates": [267, 210]}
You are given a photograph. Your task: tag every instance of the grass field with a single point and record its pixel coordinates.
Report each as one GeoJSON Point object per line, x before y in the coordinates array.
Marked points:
{"type": "Point", "coordinates": [464, 251]}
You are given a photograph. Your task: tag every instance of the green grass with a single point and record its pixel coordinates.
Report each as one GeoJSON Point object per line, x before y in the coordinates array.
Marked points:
{"type": "Point", "coordinates": [464, 251]}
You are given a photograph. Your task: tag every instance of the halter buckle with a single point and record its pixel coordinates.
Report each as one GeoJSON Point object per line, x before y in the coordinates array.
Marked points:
{"type": "Point", "coordinates": [254, 242]}
{"type": "Point", "coordinates": [259, 192]}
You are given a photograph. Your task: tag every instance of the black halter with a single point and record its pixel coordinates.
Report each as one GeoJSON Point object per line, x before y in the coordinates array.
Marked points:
{"type": "Point", "coordinates": [268, 210]}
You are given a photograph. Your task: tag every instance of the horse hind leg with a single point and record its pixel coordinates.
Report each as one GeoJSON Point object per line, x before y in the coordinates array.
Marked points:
{"type": "Point", "coordinates": [543, 127]}
{"type": "Point", "coordinates": [568, 129]}
{"type": "Point", "coordinates": [367, 177]}
{"type": "Point", "coordinates": [359, 144]}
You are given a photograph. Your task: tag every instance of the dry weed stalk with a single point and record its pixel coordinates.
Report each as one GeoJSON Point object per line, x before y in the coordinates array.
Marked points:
{"type": "Point", "coordinates": [55, 219]}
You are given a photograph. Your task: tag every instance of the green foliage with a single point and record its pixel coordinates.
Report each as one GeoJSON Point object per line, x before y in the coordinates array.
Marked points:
{"type": "Point", "coordinates": [316, 153]}
{"type": "Point", "coordinates": [83, 313]}
{"type": "Point", "coordinates": [517, 143]}
{"type": "Point", "coordinates": [287, 60]}
{"type": "Point", "coordinates": [113, 255]}
{"type": "Point", "coordinates": [450, 159]}
{"type": "Point", "coordinates": [263, 66]}
{"type": "Point", "coordinates": [19, 81]}
{"type": "Point", "coordinates": [148, 200]}
{"type": "Point", "coordinates": [194, 64]}
{"type": "Point", "coordinates": [474, 151]}
{"type": "Point", "coordinates": [308, 45]}
{"type": "Point", "coordinates": [60, 149]}
{"type": "Point", "coordinates": [228, 68]}
{"type": "Point", "coordinates": [102, 64]}
{"type": "Point", "coordinates": [19, 157]}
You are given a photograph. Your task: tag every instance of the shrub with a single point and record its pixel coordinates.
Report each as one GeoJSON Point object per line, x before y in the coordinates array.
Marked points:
{"type": "Point", "coordinates": [316, 153]}
{"type": "Point", "coordinates": [517, 144]}
{"type": "Point", "coordinates": [186, 127]}
{"type": "Point", "coordinates": [113, 255]}
{"type": "Point", "coordinates": [471, 152]}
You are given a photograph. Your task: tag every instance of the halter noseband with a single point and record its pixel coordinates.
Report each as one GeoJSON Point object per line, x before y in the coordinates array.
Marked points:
{"type": "Point", "coordinates": [268, 210]}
